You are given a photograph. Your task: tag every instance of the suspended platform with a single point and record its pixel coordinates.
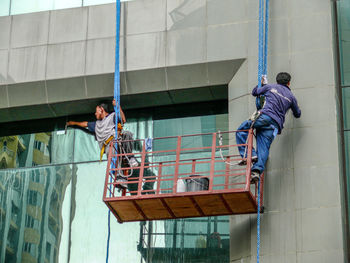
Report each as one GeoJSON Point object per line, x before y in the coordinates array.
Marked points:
{"type": "Point", "coordinates": [179, 177]}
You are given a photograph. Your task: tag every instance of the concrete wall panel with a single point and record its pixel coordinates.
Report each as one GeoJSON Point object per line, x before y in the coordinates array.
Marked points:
{"type": "Point", "coordinates": [145, 81]}
{"type": "Point", "coordinates": [66, 60]}
{"type": "Point", "coordinates": [68, 25]}
{"type": "Point", "coordinates": [275, 233]}
{"type": "Point", "coordinates": [145, 16]}
{"type": "Point", "coordinates": [187, 76]}
{"type": "Point", "coordinates": [226, 11]}
{"type": "Point", "coordinates": [280, 194]}
{"type": "Point", "coordinates": [5, 25]}
{"type": "Point", "coordinates": [99, 57]}
{"type": "Point", "coordinates": [3, 97]}
{"type": "Point", "coordinates": [224, 43]}
{"type": "Point", "coordinates": [186, 46]}
{"type": "Point", "coordinates": [27, 64]}
{"type": "Point", "coordinates": [280, 44]}
{"type": "Point", "coordinates": [26, 93]}
{"type": "Point", "coordinates": [30, 29]}
{"type": "Point", "coordinates": [3, 66]}
{"type": "Point", "coordinates": [316, 114]}
{"type": "Point", "coordinates": [145, 51]}
{"type": "Point", "coordinates": [323, 256]}
{"type": "Point", "coordinates": [312, 149]}
{"type": "Point", "coordinates": [309, 7]}
{"type": "Point", "coordinates": [316, 187]}
{"type": "Point", "coordinates": [66, 89]}
{"type": "Point", "coordinates": [319, 65]}
{"type": "Point", "coordinates": [311, 32]}
{"type": "Point", "coordinates": [240, 242]}
{"type": "Point", "coordinates": [182, 14]}
{"type": "Point", "coordinates": [281, 152]}
{"type": "Point", "coordinates": [315, 236]}
{"type": "Point", "coordinates": [101, 21]}
{"type": "Point", "coordinates": [100, 86]}
{"type": "Point", "coordinates": [222, 72]}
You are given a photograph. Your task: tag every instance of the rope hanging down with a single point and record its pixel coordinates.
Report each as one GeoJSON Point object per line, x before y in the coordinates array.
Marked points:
{"type": "Point", "coordinates": [117, 99]}
{"type": "Point", "coordinates": [263, 44]}
{"type": "Point", "coordinates": [262, 70]}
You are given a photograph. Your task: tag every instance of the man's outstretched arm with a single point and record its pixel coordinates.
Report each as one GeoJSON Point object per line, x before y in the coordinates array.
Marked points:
{"type": "Point", "coordinates": [82, 124]}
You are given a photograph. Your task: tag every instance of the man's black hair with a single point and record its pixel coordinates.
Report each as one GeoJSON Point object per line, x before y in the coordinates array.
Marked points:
{"type": "Point", "coordinates": [105, 106]}
{"type": "Point", "coordinates": [283, 78]}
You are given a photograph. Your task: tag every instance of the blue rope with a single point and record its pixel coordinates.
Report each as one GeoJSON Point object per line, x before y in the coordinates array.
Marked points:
{"type": "Point", "coordinates": [117, 72]}
{"type": "Point", "coordinates": [262, 70]}
{"type": "Point", "coordinates": [261, 42]}
{"type": "Point", "coordinates": [266, 37]}
{"type": "Point", "coordinates": [117, 99]}
{"type": "Point", "coordinates": [109, 234]}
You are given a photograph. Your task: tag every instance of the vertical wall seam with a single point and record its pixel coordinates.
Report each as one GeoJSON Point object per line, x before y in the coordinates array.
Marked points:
{"type": "Point", "coordinates": [86, 45]}
{"type": "Point", "coordinates": [166, 53]}
{"type": "Point", "coordinates": [46, 59]}
{"type": "Point", "coordinates": [125, 42]}
{"type": "Point", "coordinates": [8, 60]}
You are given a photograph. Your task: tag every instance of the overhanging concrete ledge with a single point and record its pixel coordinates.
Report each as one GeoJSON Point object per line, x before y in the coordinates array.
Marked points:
{"type": "Point", "coordinates": [139, 89]}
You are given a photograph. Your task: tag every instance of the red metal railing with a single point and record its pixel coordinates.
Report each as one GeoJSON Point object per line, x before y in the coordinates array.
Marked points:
{"type": "Point", "coordinates": [175, 160]}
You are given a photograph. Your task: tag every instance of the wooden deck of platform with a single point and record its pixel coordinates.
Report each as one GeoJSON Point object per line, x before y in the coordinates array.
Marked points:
{"type": "Point", "coordinates": [171, 207]}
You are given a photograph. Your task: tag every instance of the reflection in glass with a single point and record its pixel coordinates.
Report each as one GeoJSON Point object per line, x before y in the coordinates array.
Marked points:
{"type": "Point", "coordinates": [4, 7]}
{"type": "Point", "coordinates": [346, 107]}
{"type": "Point", "coordinates": [347, 163]}
{"type": "Point", "coordinates": [30, 6]}
{"type": "Point", "coordinates": [185, 240]}
{"type": "Point", "coordinates": [31, 213]}
{"type": "Point", "coordinates": [344, 39]}
{"type": "Point", "coordinates": [60, 4]}
{"type": "Point", "coordinates": [36, 149]}
{"type": "Point", "coordinates": [100, 2]}
{"type": "Point", "coordinates": [97, 2]}
{"type": "Point", "coordinates": [90, 221]}
{"type": "Point", "coordinates": [55, 213]}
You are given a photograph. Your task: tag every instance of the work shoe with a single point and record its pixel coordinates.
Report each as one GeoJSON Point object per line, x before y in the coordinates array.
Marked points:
{"type": "Point", "coordinates": [122, 182]}
{"type": "Point", "coordinates": [255, 177]}
{"type": "Point", "coordinates": [133, 162]}
{"type": "Point", "coordinates": [244, 161]}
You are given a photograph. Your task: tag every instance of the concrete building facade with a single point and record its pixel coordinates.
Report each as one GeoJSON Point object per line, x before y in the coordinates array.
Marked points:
{"type": "Point", "coordinates": [59, 63]}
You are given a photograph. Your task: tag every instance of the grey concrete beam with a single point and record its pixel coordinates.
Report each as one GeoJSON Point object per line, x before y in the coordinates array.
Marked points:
{"type": "Point", "coordinates": [140, 88]}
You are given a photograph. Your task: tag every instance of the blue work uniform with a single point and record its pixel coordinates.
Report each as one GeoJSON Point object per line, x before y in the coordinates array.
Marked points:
{"type": "Point", "coordinates": [278, 100]}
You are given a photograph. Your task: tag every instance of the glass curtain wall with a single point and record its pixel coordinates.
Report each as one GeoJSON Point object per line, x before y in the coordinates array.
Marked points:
{"type": "Point", "coordinates": [51, 209]}
{"type": "Point", "coordinates": [343, 11]}
{"type": "Point", "coordinates": [343, 30]}
{"type": "Point", "coordinates": [15, 7]}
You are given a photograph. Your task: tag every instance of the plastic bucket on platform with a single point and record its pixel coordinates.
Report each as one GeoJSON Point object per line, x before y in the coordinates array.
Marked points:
{"type": "Point", "coordinates": [197, 184]}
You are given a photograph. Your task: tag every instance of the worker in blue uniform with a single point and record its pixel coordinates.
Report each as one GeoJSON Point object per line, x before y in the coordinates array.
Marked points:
{"type": "Point", "coordinates": [268, 121]}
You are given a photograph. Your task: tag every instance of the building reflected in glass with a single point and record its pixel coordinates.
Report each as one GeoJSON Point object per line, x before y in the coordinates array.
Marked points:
{"type": "Point", "coordinates": [51, 208]}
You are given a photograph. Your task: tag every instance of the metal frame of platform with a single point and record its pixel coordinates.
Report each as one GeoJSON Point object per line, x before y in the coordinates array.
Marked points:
{"type": "Point", "coordinates": [229, 191]}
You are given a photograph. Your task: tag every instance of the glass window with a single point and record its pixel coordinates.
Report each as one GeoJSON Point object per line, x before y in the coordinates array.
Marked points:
{"type": "Point", "coordinates": [60, 4]}
{"type": "Point", "coordinates": [344, 35]}
{"type": "Point", "coordinates": [346, 108]}
{"type": "Point", "coordinates": [30, 6]}
{"type": "Point", "coordinates": [4, 7]}
{"type": "Point", "coordinates": [347, 163]}
{"type": "Point", "coordinates": [90, 221]}
{"type": "Point", "coordinates": [97, 2]}
{"type": "Point", "coordinates": [58, 181]}
{"type": "Point", "coordinates": [36, 149]}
